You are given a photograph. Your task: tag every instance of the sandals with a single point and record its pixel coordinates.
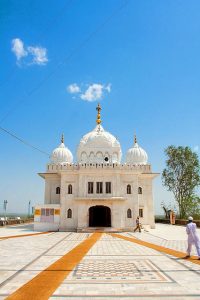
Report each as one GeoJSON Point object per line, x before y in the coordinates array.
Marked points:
{"type": "Point", "coordinates": [187, 256]}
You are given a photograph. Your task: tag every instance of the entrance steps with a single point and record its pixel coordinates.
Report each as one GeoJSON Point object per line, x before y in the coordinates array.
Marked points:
{"type": "Point", "coordinates": [103, 229]}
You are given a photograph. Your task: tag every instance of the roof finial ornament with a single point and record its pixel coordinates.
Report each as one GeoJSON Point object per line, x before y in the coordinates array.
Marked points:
{"type": "Point", "coordinates": [62, 138]}
{"type": "Point", "coordinates": [135, 139]}
{"type": "Point", "coordinates": [98, 120]}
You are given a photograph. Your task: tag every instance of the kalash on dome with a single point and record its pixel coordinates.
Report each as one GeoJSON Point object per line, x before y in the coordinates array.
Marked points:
{"type": "Point", "coordinates": [98, 191]}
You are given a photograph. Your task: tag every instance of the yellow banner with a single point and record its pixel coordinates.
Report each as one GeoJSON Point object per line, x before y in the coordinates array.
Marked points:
{"type": "Point", "coordinates": [57, 212]}
{"type": "Point", "coordinates": [37, 212]}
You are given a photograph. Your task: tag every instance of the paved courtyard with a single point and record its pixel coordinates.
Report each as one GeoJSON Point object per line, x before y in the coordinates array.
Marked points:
{"type": "Point", "coordinates": [68, 265]}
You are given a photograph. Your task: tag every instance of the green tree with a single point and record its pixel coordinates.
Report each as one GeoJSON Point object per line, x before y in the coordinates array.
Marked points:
{"type": "Point", "coordinates": [181, 176]}
{"type": "Point", "coordinates": [193, 207]}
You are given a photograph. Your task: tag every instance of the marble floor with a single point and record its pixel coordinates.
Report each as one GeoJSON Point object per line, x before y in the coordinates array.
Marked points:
{"type": "Point", "coordinates": [113, 268]}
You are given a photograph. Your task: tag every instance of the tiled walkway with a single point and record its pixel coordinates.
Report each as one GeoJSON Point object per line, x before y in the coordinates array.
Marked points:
{"type": "Point", "coordinates": [113, 268]}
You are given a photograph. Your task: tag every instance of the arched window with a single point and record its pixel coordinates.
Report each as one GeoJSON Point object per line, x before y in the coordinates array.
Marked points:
{"type": "Point", "coordinates": [69, 189]}
{"type": "Point", "coordinates": [58, 190]}
{"type": "Point", "coordinates": [139, 190]}
{"type": "Point", "coordinates": [115, 158]}
{"type": "Point", "coordinates": [69, 213]}
{"type": "Point", "coordinates": [99, 157]}
{"type": "Point", "coordinates": [84, 157]}
{"type": "Point", "coordinates": [128, 189]}
{"type": "Point", "coordinates": [91, 157]}
{"type": "Point", "coordinates": [141, 212]}
{"type": "Point", "coordinates": [129, 213]}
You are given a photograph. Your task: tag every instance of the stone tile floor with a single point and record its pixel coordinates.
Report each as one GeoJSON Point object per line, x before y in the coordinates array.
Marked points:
{"type": "Point", "coordinates": [170, 236]}
{"type": "Point", "coordinates": [117, 270]}
{"type": "Point", "coordinates": [112, 269]}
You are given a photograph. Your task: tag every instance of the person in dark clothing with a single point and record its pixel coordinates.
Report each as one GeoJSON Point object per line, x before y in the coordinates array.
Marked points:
{"type": "Point", "coordinates": [138, 225]}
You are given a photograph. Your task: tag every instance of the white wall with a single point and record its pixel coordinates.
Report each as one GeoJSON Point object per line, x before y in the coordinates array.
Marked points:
{"type": "Point", "coordinates": [80, 201]}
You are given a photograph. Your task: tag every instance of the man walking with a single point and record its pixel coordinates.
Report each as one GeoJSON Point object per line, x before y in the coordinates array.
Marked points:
{"type": "Point", "coordinates": [193, 238]}
{"type": "Point", "coordinates": [138, 225]}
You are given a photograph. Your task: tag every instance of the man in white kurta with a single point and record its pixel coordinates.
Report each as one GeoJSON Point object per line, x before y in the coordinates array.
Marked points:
{"type": "Point", "coordinates": [193, 238]}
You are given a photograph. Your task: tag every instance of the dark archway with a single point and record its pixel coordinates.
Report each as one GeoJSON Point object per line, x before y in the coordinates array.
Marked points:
{"type": "Point", "coordinates": [99, 216]}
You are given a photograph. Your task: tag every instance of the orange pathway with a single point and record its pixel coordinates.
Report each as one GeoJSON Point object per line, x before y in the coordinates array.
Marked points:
{"type": "Point", "coordinates": [45, 283]}
{"type": "Point", "coordinates": [169, 251]}
{"type": "Point", "coordinates": [22, 235]}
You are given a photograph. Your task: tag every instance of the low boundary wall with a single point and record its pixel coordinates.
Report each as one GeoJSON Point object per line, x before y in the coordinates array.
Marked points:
{"type": "Point", "coordinates": [177, 222]}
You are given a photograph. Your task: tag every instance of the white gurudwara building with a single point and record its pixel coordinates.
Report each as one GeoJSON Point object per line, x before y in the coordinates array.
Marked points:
{"type": "Point", "coordinates": [98, 190]}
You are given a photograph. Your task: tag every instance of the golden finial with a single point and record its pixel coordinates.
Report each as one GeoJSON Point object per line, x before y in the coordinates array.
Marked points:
{"type": "Point", "coordinates": [62, 138]}
{"type": "Point", "coordinates": [98, 120]}
{"type": "Point", "coordinates": [135, 139]}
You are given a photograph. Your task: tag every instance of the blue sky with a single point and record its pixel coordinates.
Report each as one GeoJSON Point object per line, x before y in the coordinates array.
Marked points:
{"type": "Point", "coordinates": [142, 58]}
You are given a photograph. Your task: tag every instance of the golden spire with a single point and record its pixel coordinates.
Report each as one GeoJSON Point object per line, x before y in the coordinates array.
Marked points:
{"type": "Point", "coordinates": [135, 139]}
{"type": "Point", "coordinates": [62, 138]}
{"type": "Point", "coordinates": [98, 120]}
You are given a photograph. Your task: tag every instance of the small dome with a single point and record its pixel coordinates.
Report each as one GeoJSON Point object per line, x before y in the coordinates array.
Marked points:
{"type": "Point", "coordinates": [61, 154]}
{"type": "Point", "coordinates": [136, 155]}
{"type": "Point", "coordinates": [99, 146]}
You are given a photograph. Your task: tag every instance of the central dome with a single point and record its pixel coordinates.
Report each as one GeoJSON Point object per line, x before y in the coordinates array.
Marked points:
{"type": "Point", "coordinates": [99, 146]}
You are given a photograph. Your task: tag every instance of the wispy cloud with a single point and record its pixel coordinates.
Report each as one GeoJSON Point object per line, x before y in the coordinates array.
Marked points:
{"type": "Point", "coordinates": [196, 148]}
{"type": "Point", "coordinates": [18, 49]}
{"type": "Point", "coordinates": [39, 55]}
{"type": "Point", "coordinates": [73, 88]}
{"type": "Point", "coordinates": [29, 55]}
{"type": "Point", "coordinates": [90, 93]}
{"type": "Point", "coordinates": [108, 87]}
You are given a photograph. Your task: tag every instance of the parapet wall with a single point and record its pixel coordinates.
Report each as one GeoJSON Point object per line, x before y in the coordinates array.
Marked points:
{"type": "Point", "coordinates": [90, 166]}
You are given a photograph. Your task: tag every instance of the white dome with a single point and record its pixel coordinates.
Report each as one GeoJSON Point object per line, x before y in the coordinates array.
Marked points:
{"type": "Point", "coordinates": [61, 154]}
{"type": "Point", "coordinates": [99, 146]}
{"type": "Point", "coordinates": [136, 155]}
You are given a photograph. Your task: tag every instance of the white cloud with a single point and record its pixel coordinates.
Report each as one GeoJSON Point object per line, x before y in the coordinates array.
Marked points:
{"type": "Point", "coordinates": [196, 148]}
{"type": "Point", "coordinates": [73, 88]}
{"type": "Point", "coordinates": [39, 55]}
{"type": "Point", "coordinates": [108, 87]}
{"type": "Point", "coordinates": [29, 55]}
{"type": "Point", "coordinates": [95, 92]}
{"type": "Point", "coordinates": [18, 49]}
{"type": "Point", "coordinates": [92, 92]}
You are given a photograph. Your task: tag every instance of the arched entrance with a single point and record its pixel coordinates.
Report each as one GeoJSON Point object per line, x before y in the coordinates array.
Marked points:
{"type": "Point", "coordinates": [99, 216]}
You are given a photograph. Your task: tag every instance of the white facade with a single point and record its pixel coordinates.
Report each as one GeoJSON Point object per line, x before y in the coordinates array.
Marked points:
{"type": "Point", "coordinates": [98, 190]}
